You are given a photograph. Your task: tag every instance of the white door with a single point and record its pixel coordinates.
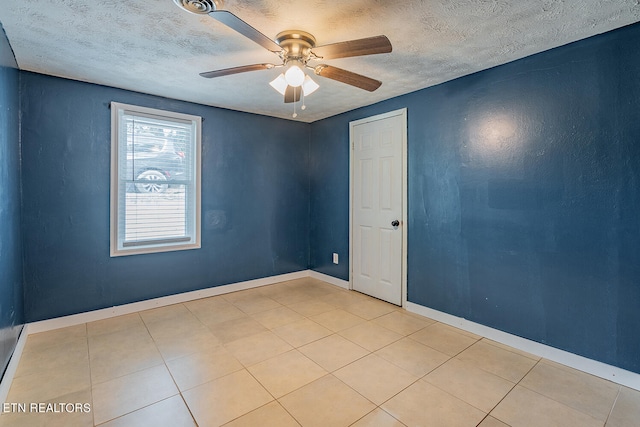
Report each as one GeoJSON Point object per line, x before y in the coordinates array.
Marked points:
{"type": "Point", "coordinates": [378, 204]}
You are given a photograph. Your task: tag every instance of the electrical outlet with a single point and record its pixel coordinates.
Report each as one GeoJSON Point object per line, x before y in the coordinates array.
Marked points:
{"type": "Point", "coordinates": [335, 258]}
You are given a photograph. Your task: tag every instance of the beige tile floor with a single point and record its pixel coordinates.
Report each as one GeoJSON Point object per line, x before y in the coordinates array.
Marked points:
{"type": "Point", "coordinates": [300, 353]}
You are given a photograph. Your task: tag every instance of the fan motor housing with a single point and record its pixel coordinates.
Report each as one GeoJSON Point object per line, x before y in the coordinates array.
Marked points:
{"type": "Point", "coordinates": [199, 7]}
{"type": "Point", "coordinates": [297, 44]}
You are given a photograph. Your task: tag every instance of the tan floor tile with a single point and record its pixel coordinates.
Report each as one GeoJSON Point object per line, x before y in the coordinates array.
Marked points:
{"type": "Point", "coordinates": [337, 320]}
{"type": "Point", "coordinates": [121, 353]}
{"type": "Point", "coordinates": [626, 411]}
{"type": "Point", "coordinates": [314, 291]}
{"type": "Point", "coordinates": [304, 283]}
{"type": "Point", "coordinates": [235, 329]}
{"type": "Point", "coordinates": [277, 317]}
{"type": "Point", "coordinates": [302, 332]}
{"type": "Point", "coordinates": [44, 340]}
{"type": "Point", "coordinates": [225, 399]}
{"type": "Point", "coordinates": [412, 356]}
{"type": "Point", "coordinates": [403, 323]}
{"type": "Point", "coordinates": [204, 306]}
{"type": "Point", "coordinates": [45, 385]}
{"type": "Point", "coordinates": [256, 303]}
{"type": "Point", "coordinates": [275, 289]}
{"type": "Point", "coordinates": [377, 418]}
{"type": "Point", "coordinates": [171, 412]}
{"type": "Point", "coordinates": [344, 298]}
{"type": "Point", "coordinates": [114, 324]}
{"type": "Point", "coordinates": [333, 352]}
{"type": "Point", "coordinates": [492, 422]}
{"type": "Point", "coordinates": [506, 364]}
{"type": "Point", "coordinates": [371, 308]}
{"type": "Point", "coordinates": [258, 347]}
{"type": "Point", "coordinates": [199, 368]}
{"type": "Point", "coordinates": [525, 408]}
{"type": "Point", "coordinates": [165, 313]}
{"type": "Point", "coordinates": [174, 347]}
{"type": "Point", "coordinates": [512, 349]}
{"type": "Point", "coordinates": [326, 402]}
{"type": "Point", "coordinates": [461, 331]}
{"type": "Point", "coordinates": [73, 416]}
{"type": "Point", "coordinates": [225, 312]}
{"type": "Point", "coordinates": [181, 324]}
{"type": "Point", "coordinates": [375, 378]}
{"type": "Point", "coordinates": [370, 336]}
{"type": "Point", "coordinates": [425, 405]}
{"type": "Point", "coordinates": [183, 327]}
{"type": "Point", "coordinates": [443, 338]}
{"type": "Point", "coordinates": [287, 372]}
{"type": "Point", "coordinates": [317, 283]}
{"type": "Point", "coordinates": [136, 331]}
{"type": "Point", "coordinates": [279, 292]}
{"type": "Point", "coordinates": [270, 415]}
{"type": "Point", "coordinates": [292, 296]}
{"type": "Point", "coordinates": [67, 355]}
{"type": "Point", "coordinates": [126, 394]}
{"type": "Point", "coordinates": [311, 307]}
{"type": "Point", "coordinates": [586, 393]}
{"type": "Point", "coordinates": [470, 384]}
{"type": "Point", "coordinates": [244, 294]}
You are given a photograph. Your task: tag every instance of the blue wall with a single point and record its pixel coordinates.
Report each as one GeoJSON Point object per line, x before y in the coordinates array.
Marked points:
{"type": "Point", "coordinates": [329, 198]}
{"type": "Point", "coordinates": [11, 290]}
{"type": "Point", "coordinates": [255, 201]}
{"type": "Point", "coordinates": [524, 196]}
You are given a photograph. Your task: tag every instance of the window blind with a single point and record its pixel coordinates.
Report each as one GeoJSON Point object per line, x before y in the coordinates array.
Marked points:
{"type": "Point", "coordinates": [157, 187]}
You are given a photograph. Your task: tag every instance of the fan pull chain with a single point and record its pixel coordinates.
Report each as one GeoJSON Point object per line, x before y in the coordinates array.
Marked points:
{"type": "Point", "coordinates": [294, 103]}
{"type": "Point", "coordinates": [303, 106]}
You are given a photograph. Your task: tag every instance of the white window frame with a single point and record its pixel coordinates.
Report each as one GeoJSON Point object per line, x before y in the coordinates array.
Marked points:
{"type": "Point", "coordinates": [118, 187]}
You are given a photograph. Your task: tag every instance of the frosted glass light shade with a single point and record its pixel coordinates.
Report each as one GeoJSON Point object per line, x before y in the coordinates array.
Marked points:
{"type": "Point", "coordinates": [309, 86]}
{"type": "Point", "coordinates": [294, 76]}
{"type": "Point", "coordinates": [279, 83]}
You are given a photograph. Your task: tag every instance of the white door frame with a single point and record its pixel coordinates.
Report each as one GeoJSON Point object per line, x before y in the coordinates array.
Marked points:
{"type": "Point", "coordinates": [401, 112]}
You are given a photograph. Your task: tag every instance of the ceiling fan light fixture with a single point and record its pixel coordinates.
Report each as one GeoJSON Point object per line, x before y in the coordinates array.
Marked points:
{"type": "Point", "coordinates": [309, 86]}
{"type": "Point", "coordinates": [280, 84]}
{"type": "Point", "coordinates": [294, 75]}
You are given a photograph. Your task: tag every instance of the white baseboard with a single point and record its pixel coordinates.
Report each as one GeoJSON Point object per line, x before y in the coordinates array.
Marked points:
{"type": "Point", "coordinates": [12, 367]}
{"type": "Point", "coordinates": [329, 279]}
{"type": "Point", "coordinates": [105, 313]}
{"type": "Point", "coordinates": [593, 367]}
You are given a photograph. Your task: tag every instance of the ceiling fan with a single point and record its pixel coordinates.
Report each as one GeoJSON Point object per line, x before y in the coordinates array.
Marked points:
{"type": "Point", "coordinates": [296, 50]}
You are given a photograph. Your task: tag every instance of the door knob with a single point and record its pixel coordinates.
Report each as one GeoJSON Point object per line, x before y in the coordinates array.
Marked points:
{"type": "Point", "coordinates": [395, 223]}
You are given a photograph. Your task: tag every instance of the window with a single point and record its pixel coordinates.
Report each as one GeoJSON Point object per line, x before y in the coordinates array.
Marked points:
{"type": "Point", "coordinates": [155, 180]}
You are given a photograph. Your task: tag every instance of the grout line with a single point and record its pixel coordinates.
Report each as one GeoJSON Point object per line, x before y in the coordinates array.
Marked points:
{"type": "Point", "coordinates": [510, 390]}
{"type": "Point", "coordinates": [614, 404]}
{"type": "Point", "coordinates": [86, 331]}
{"type": "Point", "coordinates": [193, 417]}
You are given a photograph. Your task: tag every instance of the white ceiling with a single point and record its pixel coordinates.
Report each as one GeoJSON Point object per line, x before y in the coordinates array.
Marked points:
{"type": "Point", "coordinates": [152, 46]}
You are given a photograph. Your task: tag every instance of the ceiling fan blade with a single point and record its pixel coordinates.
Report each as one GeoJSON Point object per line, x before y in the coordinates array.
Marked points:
{"type": "Point", "coordinates": [368, 46]}
{"type": "Point", "coordinates": [292, 94]}
{"type": "Point", "coordinates": [236, 70]}
{"type": "Point", "coordinates": [347, 77]}
{"type": "Point", "coordinates": [235, 23]}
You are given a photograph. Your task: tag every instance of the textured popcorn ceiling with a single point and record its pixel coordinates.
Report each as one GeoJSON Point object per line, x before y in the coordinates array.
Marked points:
{"type": "Point", "coordinates": [152, 46]}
